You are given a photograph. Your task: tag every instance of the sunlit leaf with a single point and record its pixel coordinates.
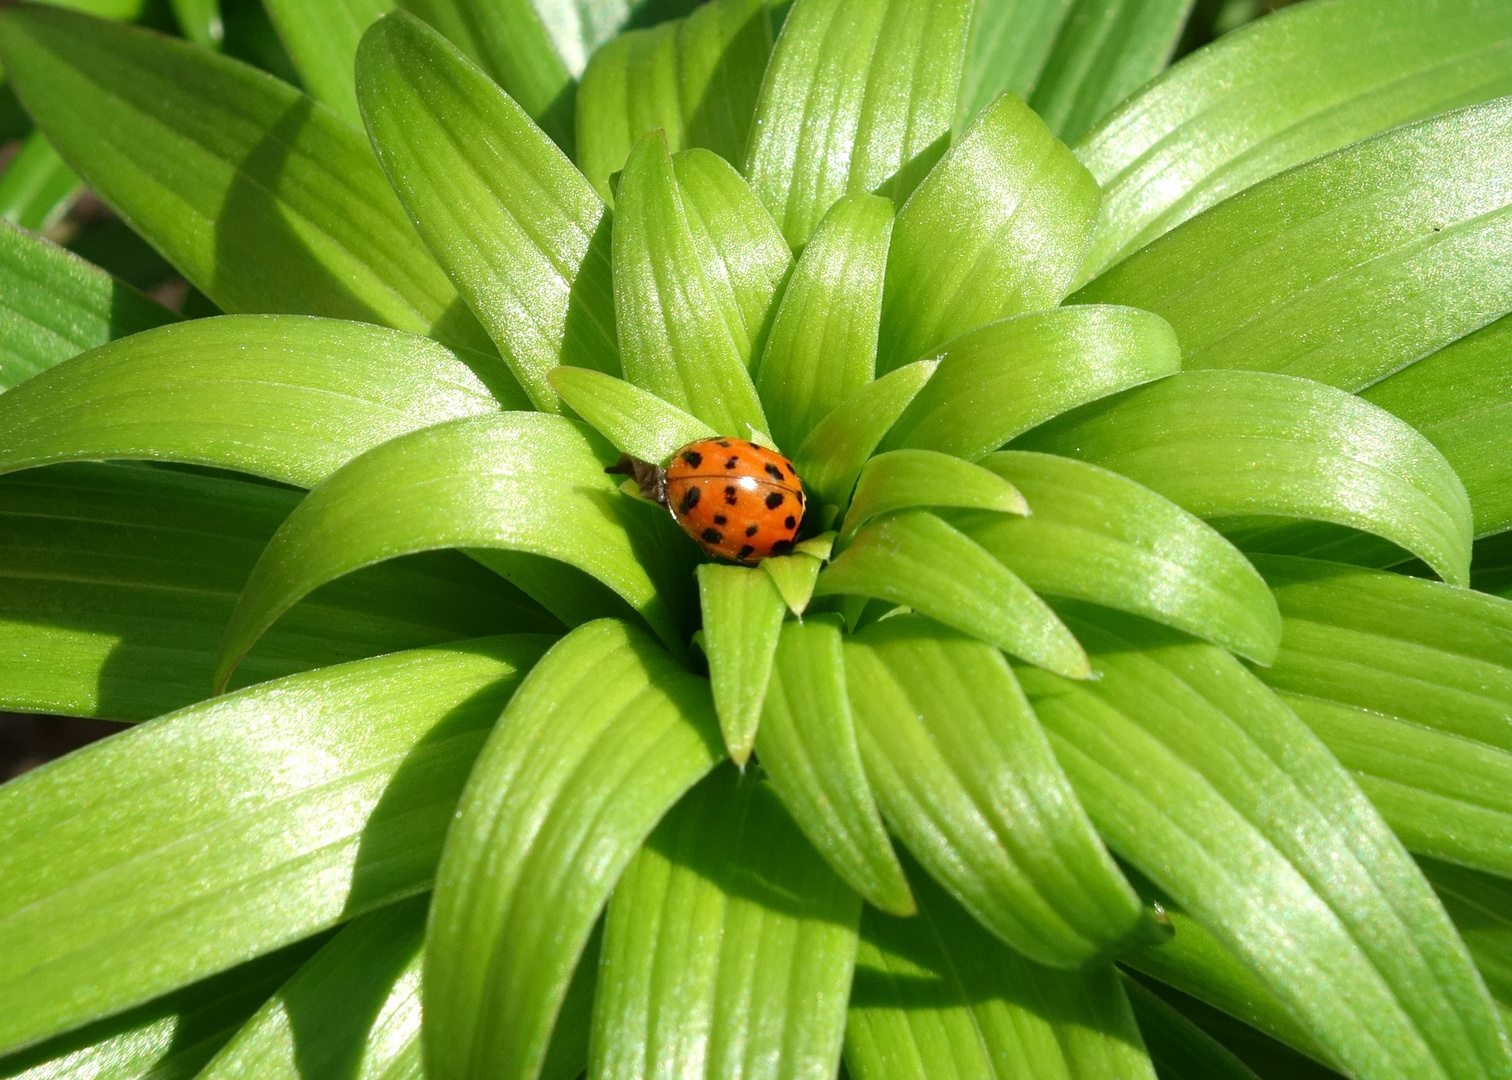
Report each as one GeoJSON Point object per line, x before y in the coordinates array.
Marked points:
{"type": "Point", "coordinates": [742, 616]}
{"type": "Point", "coordinates": [795, 576]}
{"type": "Point", "coordinates": [636, 421]}
{"type": "Point", "coordinates": [904, 479]}
{"type": "Point", "coordinates": [559, 802]}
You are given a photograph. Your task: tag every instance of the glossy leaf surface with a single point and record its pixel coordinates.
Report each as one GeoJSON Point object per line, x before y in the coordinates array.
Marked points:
{"type": "Point", "coordinates": [1282, 91]}
{"type": "Point", "coordinates": [795, 576]}
{"type": "Point", "coordinates": [560, 800]}
{"type": "Point", "coordinates": [807, 744]}
{"type": "Point", "coordinates": [284, 397]}
{"type": "Point", "coordinates": [998, 228]}
{"type": "Point", "coordinates": [1229, 444]}
{"type": "Point", "coordinates": [858, 97]}
{"type": "Point", "coordinates": [1094, 535]}
{"type": "Point", "coordinates": [1201, 778]}
{"type": "Point", "coordinates": [54, 305]}
{"type": "Point", "coordinates": [1345, 269]}
{"type": "Point", "coordinates": [271, 814]}
{"type": "Point", "coordinates": [1002, 379]}
{"type": "Point", "coordinates": [263, 199]}
{"type": "Point", "coordinates": [728, 946]}
{"type": "Point", "coordinates": [904, 479]}
{"type": "Point", "coordinates": [516, 227]}
{"type": "Point", "coordinates": [742, 617]}
{"type": "Point", "coordinates": [636, 421]}
{"type": "Point", "coordinates": [965, 777]}
{"type": "Point", "coordinates": [915, 559]}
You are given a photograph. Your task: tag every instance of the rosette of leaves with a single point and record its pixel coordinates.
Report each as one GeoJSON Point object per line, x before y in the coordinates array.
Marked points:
{"type": "Point", "coordinates": [1087, 733]}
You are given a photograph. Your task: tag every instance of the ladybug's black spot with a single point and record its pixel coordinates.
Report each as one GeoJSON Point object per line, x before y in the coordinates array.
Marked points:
{"type": "Point", "coordinates": [712, 536]}
{"type": "Point", "coordinates": [753, 446]}
{"type": "Point", "coordinates": [693, 458]}
{"type": "Point", "coordinates": [731, 495]}
{"type": "Point", "coordinates": [734, 461]}
{"type": "Point", "coordinates": [774, 472]}
{"type": "Point", "coordinates": [791, 473]}
{"type": "Point", "coordinates": [774, 500]}
{"type": "Point", "coordinates": [791, 522]}
{"type": "Point", "coordinates": [752, 529]}
{"type": "Point", "coordinates": [745, 551]}
{"type": "Point", "coordinates": [720, 519]}
{"type": "Point", "coordinates": [689, 500]}
{"type": "Point", "coordinates": [782, 545]}
{"type": "Point", "coordinates": [725, 443]}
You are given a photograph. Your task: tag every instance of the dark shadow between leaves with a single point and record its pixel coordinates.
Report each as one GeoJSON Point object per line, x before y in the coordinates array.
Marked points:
{"type": "Point", "coordinates": [589, 336]}
{"type": "Point", "coordinates": [900, 185]}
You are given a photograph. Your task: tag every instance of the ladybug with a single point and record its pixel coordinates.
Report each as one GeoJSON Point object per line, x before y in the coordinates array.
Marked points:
{"type": "Point", "coordinates": [740, 501]}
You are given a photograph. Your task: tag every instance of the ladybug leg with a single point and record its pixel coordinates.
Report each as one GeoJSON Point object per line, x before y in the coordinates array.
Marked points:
{"type": "Point", "coordinates": [652, 479]}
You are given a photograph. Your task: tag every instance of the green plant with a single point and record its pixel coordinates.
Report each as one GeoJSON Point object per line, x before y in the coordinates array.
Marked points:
{"type": "Point", "coordinates": [1154, 418]}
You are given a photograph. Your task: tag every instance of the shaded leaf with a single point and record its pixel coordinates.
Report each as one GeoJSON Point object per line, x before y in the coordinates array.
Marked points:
{"type": "Point", "coordinates": [200, 21]}
{"type": "Point", "coordinates": [321, 40]}
{"type": "Point", "coordinates": [37, 187]}
{"type": "Point", "coordinates": [1178, 1048]}
{"type": "Point", "coordinates": [1010, 42]}
{"type": "Point", "coordinates": [1481, 907]}
{"type": "Point", "coordinates": [904, 479]}
{"type": "Point", "coordinates": [516, 227]}
{"type": "Point", "coordinates": [536, 850]}
{"type": "Point", "coordinates": [742, 616]}
{"type": "Point", "coordinates": [636, 421]}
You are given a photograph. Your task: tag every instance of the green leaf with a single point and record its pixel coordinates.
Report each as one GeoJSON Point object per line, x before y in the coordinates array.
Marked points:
{"type": "Point", "coordinates": [285, 397]}
{"type": "Point", "coordinates": [1179, 1049]}
{"type": "Point", "coordinates": [1344, 269]}
{"type": "Point", "coordinates": [1195, 773]}
{"type": "Point", "coordinates": [938, 996]}
{"type": "Point", "coordinates": [352, 1010]}
{"type": "Point", "coordinates": [999, 228]}
{"type": "Point", "coordinates": [270, 814]}
{"type": "Point", "coordinates": [1284, 90]}
{"type": "Point", "coordinates": [1010, 42]}
{"type": "Point", "coordinates": [742, 616]}
{"type": "Point", "coordinates": [904, 479]}
{"type": "Point", "coordinates": [728, 948]}
{"type": "Point", "coordinates": [54, 305]}
{"type": "Point", "coordinates": [795, 576]}
{"type": "Point", "coordinates": [807, 744]}
{"type": "Point", "coordinates": [37, 187]}
{"type": "Point", "coordinates": [263, 199]}
{"type": "Point", "coordinates": [965, 777]}
{"type": "Point", "coordinates": [166, 1039]}
{"type": "Point", "coordinates": [695, 78]}
{"type": "Point", "coordinates": [858, 97]}
{"type": "Point", "coordinates": [1491, 567]}
{"type": "Point", "coordinates": [1461, 398]}
{"type": "Point", "coordinates": [516, 227]}
{"type": "Point", "coordinates": [915, 559]}
{"type": "Point", "coordinates": [321, 40]}
{"type": "Point", "coordinates": [1094, 535]}
{"type": "Point", "coordinates": [1106, 49]}
{"type": "Point", "coordinates": [1481, 907]}
{"type": "Point", "coordinates": [561, 798]}
{"type": "Point", "coordinates": [200, 21]}
{"type": "Point", "coordinates": [999, 381]}
{"type": "Point", "coordinates": [831, 457]}
{"type": "Point", "coordinates": [680, 321]}
{"type": "Point", "coordinates": [118, 581]}
{"type": "Point", "coordinates": [823, 346]}
{"type": "Point", "coordinates": [1229, 444]}
{"type": "Point", "coordinates": [515, 481]}
{"type": "Point", "coordinates": [636, 421]}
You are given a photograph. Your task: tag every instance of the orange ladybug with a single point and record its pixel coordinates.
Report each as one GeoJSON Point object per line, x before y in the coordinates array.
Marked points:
{"type": "Point", "coordinates": [740, 501]}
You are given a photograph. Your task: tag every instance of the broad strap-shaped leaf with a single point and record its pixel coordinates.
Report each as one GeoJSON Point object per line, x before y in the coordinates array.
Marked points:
{"type": "Point", "coordinates": [1105, 50]}
{"type": "Point", "coordinates": [807, 745]}
{"type": "Point", "coordinates": [1094, 535]}
{"type": "Point", "coordinates": [742, 617]}
{"type": "Point", "coordinates": [694, 78]}
{"type": "Point", "coordinates": [518, 482]}
{"type": "Point", "coordinates": [1178, 1048]}
{"type": "Point", "coordinates": [915, 559]}
{"type": "Point", "coordinates": [37, 187]}
{"type": "Point", "coordinates": [1461, 399]}
{"type": "Point", "coordinates": [1344, 269]}
{"type": "Point", "coordinates": [937, 995]}
{"type": "Point", "coordinates": [636, 421]}
{"type": "Point", "coordinates": [119, 579]}
{"type": "Point", "coordinates": [270, 814]}
{"type": "Point", "coordinates": [1010, 42]}
{"type": "Point", "coordinates": [1285, 90]}
{"type": "Point", "coordinates": [262, 198]}
{"type": "Point", "coordinates": [54, 305]}
{"type": "Point", "coordinates": [823, 346]}
{"type": "Point", "coordinates": [965, 777]}
{"type": "Point", "coordinates": [522, 235]}
{"type": "Point", "coordinates": [831, 457]}
{"type": "Point", "coordinates": [858, 97]}
{"type": "Point", "coordinates": [904, 479]}
{"type": "Point", "coordinates": [174, 1036]}
{"type": "Point", "coordinates": [605, 735]}
{"type": "Point", "coordinates": [1195, 773]}
{"type": "Point", "coordinates": [285, 397]}
{"type": "Point", "coordinates": [680, 320]}
{"type": "Point", "coordinates": [999, 381]}
{"type": "Point", "coordinates": [1481, 907]}
{"type": "Point", "coordinates": [321, 40]}
{"type": "Point", "coordinates": [1410, 684]}
{"type": "Point", "coordinates": [1226, 444]}
{"type": "Point", "coordinates": [728, 947]}
{"type": "Point", "coordinates": [997, 229]}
